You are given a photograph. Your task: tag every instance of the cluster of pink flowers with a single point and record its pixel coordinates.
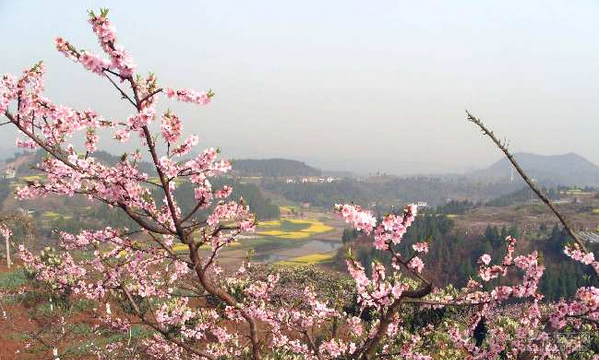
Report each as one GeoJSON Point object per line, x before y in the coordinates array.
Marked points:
{"type": "Point", "coordinates": [421, 247]}
{"type": "Point", "coordinates": [105, 32]}
{"type": "Point", "coordinates": [352, 214]}
{"type": "Point", "coordinates": [587, 259]}
{"type": "Point", "coordinates": [488, 273]}
{"type": "Point", "coordinates": [171, 127]}
{"type": "Point", "coordinates": [91, 140]}
{"type": "Point", "coordinates": [119, 58]}
{"type": "Point", "coordinates": [189, 95]}
{"type": "Point", "coordinates": [393, 228]}
{"type": "Point", "coordinates": [60, 271]}
{"type": "Point", "coordinates": [142, 118]}
{"type": "Point", "coordinates": [582, 309]}
{"type": "Point", "coordinates": [185, 147]}
{"type": "Point", "coordinates": [93, 62]}
{"type": "Point", "coordinates": [5, 231]}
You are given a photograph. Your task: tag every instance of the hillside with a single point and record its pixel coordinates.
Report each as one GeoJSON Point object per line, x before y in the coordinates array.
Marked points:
{"type": "Point", "coordinates": [273, 168]}
{"type": "Point", "coordinates": [457, 239]}
{"type": "Point", "coordinates": [550, 170]}
{"type": "Point", "coordinates": [388, 191]}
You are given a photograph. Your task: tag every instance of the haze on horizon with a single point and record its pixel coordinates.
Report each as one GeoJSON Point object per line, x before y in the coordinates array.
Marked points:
{"type": "Point", "coordinates": [342, 85]}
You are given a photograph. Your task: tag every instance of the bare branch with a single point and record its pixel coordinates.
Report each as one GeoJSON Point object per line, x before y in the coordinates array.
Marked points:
{"type": "Point", "coordinates": [503, 147]}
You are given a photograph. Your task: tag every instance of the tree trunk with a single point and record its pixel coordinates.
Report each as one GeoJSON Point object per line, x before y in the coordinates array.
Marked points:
{"type": "Point", "coordinates": [8, 262]}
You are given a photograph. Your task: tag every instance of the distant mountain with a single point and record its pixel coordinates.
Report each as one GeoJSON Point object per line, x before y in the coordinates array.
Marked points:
{"type": "Point", "coordinates": [273, 168]}
{"type": "Point", "coordinates": [549, 170]}
{"type": "Point", "coordinates": [339, 174]}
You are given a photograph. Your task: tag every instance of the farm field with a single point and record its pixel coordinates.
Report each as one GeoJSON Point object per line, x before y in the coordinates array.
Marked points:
{"type": "Point", "coordinates": [311, 238]}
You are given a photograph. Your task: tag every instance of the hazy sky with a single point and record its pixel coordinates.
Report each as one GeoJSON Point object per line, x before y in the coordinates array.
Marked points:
{"type": "Point", "coordinates": [346, 85]}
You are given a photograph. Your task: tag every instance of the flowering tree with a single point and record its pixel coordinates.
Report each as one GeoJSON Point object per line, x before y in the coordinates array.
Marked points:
{"type": "Point", "coordinates": [188, 306]}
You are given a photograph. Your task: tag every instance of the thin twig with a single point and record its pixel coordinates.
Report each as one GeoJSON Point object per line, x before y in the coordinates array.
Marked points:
{"type": "Point", "coordinates": [123, 94]}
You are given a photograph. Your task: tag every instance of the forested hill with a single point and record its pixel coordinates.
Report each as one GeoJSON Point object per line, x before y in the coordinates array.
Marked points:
{"type": "Point", "coordinates": [22, 162]}
{"type": "Point", "coordinates": [568, 169]}
{"type": "Point", "coordinates": [273, 168]}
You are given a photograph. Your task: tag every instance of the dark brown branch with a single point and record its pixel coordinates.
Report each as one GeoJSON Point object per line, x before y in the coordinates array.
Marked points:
{"type": "Point", "coordinates": [199, 204]}
{"type": "Point", "coordinates": [123, 94]}
{"type": "Point", "coordinates": [143, 223]}
{"type": "Point", "coordinates": [371, 345]}
{"type": "Point", "coordinates": [312, 344]}
{"type": "Point", "coordinates": [503, 147]}
{"type": "Point", "coordinates": [150, 95]}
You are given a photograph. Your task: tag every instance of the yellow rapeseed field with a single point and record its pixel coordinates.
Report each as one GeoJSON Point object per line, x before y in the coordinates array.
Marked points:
{"type": "Point", "coordinates": [271, 223]}
{"type": "Point", "coordinates": [310, 259]}
{"type": "Point", "coordinates": [32, 178]}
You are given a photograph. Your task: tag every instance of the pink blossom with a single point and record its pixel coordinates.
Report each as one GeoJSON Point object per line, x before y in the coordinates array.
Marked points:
{"type": "Point", "coordinates": [185, 147]}
{"type": "Point", "coordinates": [93, 62]}
{"type": "Point", "coordinates": [5, 231]}
{"type": "Point", "coordinates": [353, 214]}
{"type": "Point", "coordinates": [417, 264]}
{"type": "Point", "coordinates": [421, 247]}
{"type": "Point", "coordinates": [189, 95]}
{"type": "Point", "coordinates": [122, 135]}
{"type": "Point", "coordinates": [171, 127]}
{"type": "Point", "coordinates": [91, 140]}
{"type": "Point", "coordinates": [485, 259]}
